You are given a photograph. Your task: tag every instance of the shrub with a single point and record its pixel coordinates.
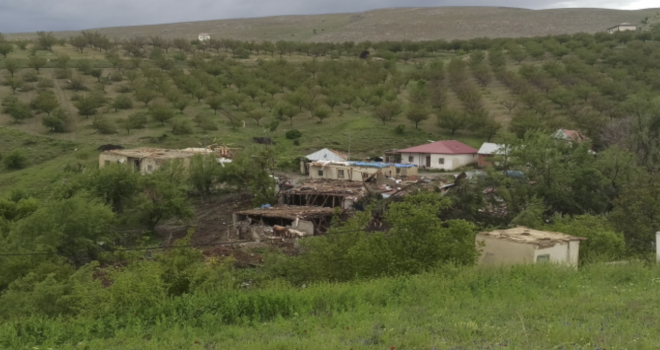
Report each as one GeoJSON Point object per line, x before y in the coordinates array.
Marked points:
{"type": "Point", "coordinates": [400, 129]}
{"type": "Point", "coordinates": [116, 77]}
{"type": "Point", "coordinates": [62, 73]}
{"type": "Point", "coordinates": [182, 127]}
{"type": "Point", "coordinates": [45, 83]}
{"type": "Point", "coordinates": [15, 160]}
{"type": "Point", "coordinates": [123, 89]}
{"type": "Point", "coordinates": [293, 134]}
{"type": "Point", "coordinates": [58, 121]}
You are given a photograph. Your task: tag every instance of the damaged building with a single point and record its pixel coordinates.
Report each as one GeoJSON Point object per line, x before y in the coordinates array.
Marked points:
{"type": "Point", "coordinates": [361, 171]}
{"type": "Point", "coordinates": [259, 223]}
{"type": "Point", "coordinates": [144, 160]}
{"type": "Point", "coordinates": [329, 194]}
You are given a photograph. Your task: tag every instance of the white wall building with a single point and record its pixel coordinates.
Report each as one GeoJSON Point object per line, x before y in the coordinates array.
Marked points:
{"type": "Point", "coordinates": [446, 155]}
{"type": "Point", "coordinates": [204, 37]}
{"type": "Point", "coordinates": [522, 245]}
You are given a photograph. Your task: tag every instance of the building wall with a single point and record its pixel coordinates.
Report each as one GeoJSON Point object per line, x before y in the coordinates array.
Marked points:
{"type": "Point", "coordinates": [622, 29]}
{"type": "Point", "coordinates": [451, 161]}
{"type": "Point", "coordinates": [502, 252]}
{"type": "Point", "coordinates": [107, 158]}
{"type": "Point", "coordinates": [561, 253]}
{"type": "Point", "coordinates": [485, 160]}
{"type": "Point", "coordinates": [147, 165]}
{"type": "Point", "coordinates": [351, 173]}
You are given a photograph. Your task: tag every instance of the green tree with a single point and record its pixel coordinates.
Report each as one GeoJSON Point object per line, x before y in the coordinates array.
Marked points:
{"type": "Point", "coordinates": [122, 102]}
{"type": "Point", "coordinates": [74, 228]}
{"type": "Point", "coordinates": [11, 65]}
{"type": "Point", "coordinates": [387, 111]}
{"type": "Point", "coordinates": [161, 113]}
{"type": "Point", "coordinates": [163, 196]}
{"type": "Point", "coordinates": [321, 113]}
{"type": "Point", "coordinates": [417, 114]}
{"type": "Point", "coordinates": [13, 83]}
{"type": "Point", "coordinates": [86, 105]}
{"type": "Point", "coordinates": [46, 40]}
{"type": "Point", "coordinates": [116, 184]}
{"type": "Point", "coordinates": [204, 173]}
{"type": "Point", "coordinates": [133, 121]}
{"type": "Point", "coordinates": [603, 241]}
{"type": "Point", "coordinates": [6, 48]}
{"type": "Point", "coordinates": [45, 102]}
{"type": "Point", "coordinates": [16, 108]}
{"type": "Point", "coordinates": [145, 95]}
{"type": "Point", "coordinates": [452, 120]}
{"type": "Point", "coordinates": [57, 122]}
{"type": "Point", "coordinates": [36, 62]}
{"type": "Point", "coordinates": [256, 115]}
{"type": "Point", "coordinates": [215, 103]}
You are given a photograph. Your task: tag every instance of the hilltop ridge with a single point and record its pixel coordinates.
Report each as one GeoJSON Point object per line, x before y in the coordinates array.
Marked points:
{"type": "Point", "coordinates": [417, 23]}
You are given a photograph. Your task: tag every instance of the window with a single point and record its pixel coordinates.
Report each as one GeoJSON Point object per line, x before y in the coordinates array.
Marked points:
{"type": "Point", "coordinates": [150, 168]}
{"type": "Point", "coordinates": [340, 174]}
{"type": "Point", "coordinates": [543, 258]}
{"type": "Point", "coordinates": [411, 159]}
{"type": "Point", "coordinates": [398, 171]}
{"type": "Point", "coordinates": [320, 172]}
{"type": "Point", "coordinates": [441, 161]}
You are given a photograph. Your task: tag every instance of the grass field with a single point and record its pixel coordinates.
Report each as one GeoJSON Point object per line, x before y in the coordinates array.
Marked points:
{"type": "Point", "coordinates": [394, 24]}
{"type": "Point", "coordinates": [535, 307]}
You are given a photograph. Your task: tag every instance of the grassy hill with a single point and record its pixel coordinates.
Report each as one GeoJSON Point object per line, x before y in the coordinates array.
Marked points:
{"type": "Point", "coordinates": [393, 24]}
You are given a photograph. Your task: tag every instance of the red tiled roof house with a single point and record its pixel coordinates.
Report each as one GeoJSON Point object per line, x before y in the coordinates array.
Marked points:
{"type": "Point", "coordinates": [446, 155]}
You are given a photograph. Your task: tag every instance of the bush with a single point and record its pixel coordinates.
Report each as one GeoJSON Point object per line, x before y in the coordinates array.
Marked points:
{"type": "Point", "coordinates": [296, 142]}
{"type": "Point", "coordinates": [182, 127]}
{"type": "Point", "coordinates": [123, 89]}
{"type": "Point", "coordinates": [104, 126]}
{"type": "Point", "coordinates": [116, 77]}
{"type": "Point", "coordinates": [293, 134]}
{"type": "Point", "coordinates": [45, 83]}
{"type": "Point", "coordinates": [205, 122]}
{"type": "Point", "coordinates": [15, 160]}
{"type": "Point", "coordinates": [400, 129]}
{"type": "Point", "coordinates": [58, 121]}
{"type": "Point", "coordinates": [62, 73]}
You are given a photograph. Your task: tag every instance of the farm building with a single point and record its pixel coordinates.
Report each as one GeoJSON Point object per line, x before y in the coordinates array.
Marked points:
{"type": "Point", "coordinates": [204, 37]}
{"type": "Point", "coordinates": [487, 151]}
{"type": "Point", "coordinates": [144, 160]}
{"type": "Point", "coordinates": [446, 155]}
{"type": "Point", "coordinates": [324, 155]}
{"type": "Point", "coordinates": [522, 245]}
{"type": "Point", "coordinates": [331, 194]}
{"type": "Point", "coordinates": [622, 27]}
{"type": "Point", "coordinates": [307, 219]}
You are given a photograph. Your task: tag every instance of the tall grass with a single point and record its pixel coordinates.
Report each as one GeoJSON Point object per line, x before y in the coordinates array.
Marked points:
{"type": "Point", "coordinates": [522, 307]}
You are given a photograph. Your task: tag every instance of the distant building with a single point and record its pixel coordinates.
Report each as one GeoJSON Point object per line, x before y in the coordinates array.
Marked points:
{"type": "Point", "coordinates": [446, 155]}
{"type": "Point", "coordinates": [204, 37]}
{"type": "Point", "coordinates": [522, 245]}
{"type": "Point", "coordinates": [144, 160]}
{"type": "Point", "coordinates": [488, 151]}
{"type": "Point", "coordinates": [622, 27]}
{"type": "Point", "coordinates": [570, 135]}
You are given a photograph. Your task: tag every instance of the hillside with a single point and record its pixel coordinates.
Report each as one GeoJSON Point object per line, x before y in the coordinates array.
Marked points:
{"type": "Point", "coordinates": [393, 24]}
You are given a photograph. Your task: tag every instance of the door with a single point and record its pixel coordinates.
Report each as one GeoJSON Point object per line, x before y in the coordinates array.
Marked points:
{"type": "Point", "coordinates": [428, 161]}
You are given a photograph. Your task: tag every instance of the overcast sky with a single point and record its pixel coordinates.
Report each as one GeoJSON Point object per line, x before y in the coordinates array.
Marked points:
{"type": "Point", "coordinates": [54, 15]}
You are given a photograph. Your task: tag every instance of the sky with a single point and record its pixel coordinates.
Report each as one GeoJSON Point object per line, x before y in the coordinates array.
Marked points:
{"type": "Point", "coordinates": [54, 15]}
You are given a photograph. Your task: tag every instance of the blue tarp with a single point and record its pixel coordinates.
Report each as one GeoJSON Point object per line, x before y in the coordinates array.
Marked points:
{"type": "Point", "coordinates": [405, 165]}
{"type": "Point", "coordinates": [371, 165]}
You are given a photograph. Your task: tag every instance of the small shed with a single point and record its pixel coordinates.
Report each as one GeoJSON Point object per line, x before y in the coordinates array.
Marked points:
{"type": "Point", "coordinates": [322, 193]}
{"type": "Point", "coordinates": [522, 245]}
{"type": "Point", "coordinates": [622, 27]}
{"type": "Point", "coordinates": [487, 151]}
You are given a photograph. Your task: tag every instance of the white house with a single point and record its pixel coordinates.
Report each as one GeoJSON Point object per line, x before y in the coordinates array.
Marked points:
{"type": "Point", "coordinates": [622, 27]}
{"type": "Point", "coordinates": [447, 155]}
{"type": "Point", "coordinates": [522, 245]}
{"type": "Point", "coordinates": [204, 37]}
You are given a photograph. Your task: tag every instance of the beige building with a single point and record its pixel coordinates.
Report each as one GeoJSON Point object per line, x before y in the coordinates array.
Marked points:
{"type": "Point", "coordinates": [522, 245]}
{"type": "Point", "coordinates": [144, 160]}
{"type": "Point", "coordinates": [622, 27]}
{"type": "Point", "coordinates": [361, 171]}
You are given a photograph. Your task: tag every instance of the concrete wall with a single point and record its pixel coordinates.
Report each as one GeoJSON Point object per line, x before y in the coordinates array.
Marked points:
{"type": "Point", "coordinates": [622, 29]}
{"type": "Point", "coordinates": [107, 158]}
{"type": "Point", "coordinates": [304, 226]}
{"type": "Point", "coordinates": [351, 173]}
{"type": "Point", "coordinates": [562, 253]}
{"type": "Point", "coordinates": [451, 161]}
{"type": "Point", "coordinates": [502, 252]}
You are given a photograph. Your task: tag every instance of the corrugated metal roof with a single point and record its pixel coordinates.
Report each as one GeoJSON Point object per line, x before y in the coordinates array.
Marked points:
{"type": "Point", "coordinates": [521, 234]}
{"type": "Point", "coordinates": [326, 155]}
{"type": "Point", "coordinates": [441, 147]}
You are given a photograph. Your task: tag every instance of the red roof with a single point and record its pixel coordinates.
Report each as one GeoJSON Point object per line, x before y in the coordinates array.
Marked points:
{"type": "Point", "coordinates": [441, 147]}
